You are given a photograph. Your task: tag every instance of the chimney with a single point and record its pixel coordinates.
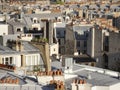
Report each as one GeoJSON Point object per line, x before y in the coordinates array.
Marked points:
{"type": "Point", "coordinates": [15, 45]}
{"type": "Point", "coordinates": [89, 75]}
{"type": "Point", "coordinates": [74, 86]}
{"type": "Point", "coordinates": [21, 48]}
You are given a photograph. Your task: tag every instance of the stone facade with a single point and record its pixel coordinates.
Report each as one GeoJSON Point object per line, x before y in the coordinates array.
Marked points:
{"type": "Point", "coordinates": [104, 46]}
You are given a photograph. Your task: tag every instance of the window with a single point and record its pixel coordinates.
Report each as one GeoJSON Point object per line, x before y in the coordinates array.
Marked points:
{"type": "Point", "coordinates": [37, 59]}
{"type": "Point", "coordinates": [78, 43]}
{"type": "Point", "coordinates": [84, 51]}
{"type": "Point", "coordinates": [29, 35]}
{"type": "Point", "coordinates": [33, 60]}
{"type": "Point", "coordinates": [2, 60]}
{"type": "Point", "coordinates": [85, 43]}
{"type": "Point", "coordinates": [35, 21]}
{"type": "Point", "coordinates": [35, 29]}
{"type": "Point", "coordinates": [59, 41]}
{"type": "Point", "coordinates": [78, 51]}
{"type": "Point", "coordinates": [18, 30]}
{"type": "Point", "coordinates": [10, 60]}
{"type": "Point", "coordinates": [6, 61]}
{"type": "Point", "coordinates": [58, 34]}
{"type": "Point", "coordinates": [106, 44]}
{"type": "Point", "coordinates": [105, 59]}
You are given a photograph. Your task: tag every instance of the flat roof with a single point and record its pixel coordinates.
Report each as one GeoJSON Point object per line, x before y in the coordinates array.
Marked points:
{"type": "Point", "coordinates": [99, 76]}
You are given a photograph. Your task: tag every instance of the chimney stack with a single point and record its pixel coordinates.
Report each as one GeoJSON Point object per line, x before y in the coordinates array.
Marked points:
{"type": "Point", "coordinates": [89, 75]}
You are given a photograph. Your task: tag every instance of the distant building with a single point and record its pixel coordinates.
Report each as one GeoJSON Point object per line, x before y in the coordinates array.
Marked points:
{"type": "Point", "coordinates": [59, 30]}
{"type": "Point", "coordinates": [12, 81]}
{"type": "Point", "coordinates": [21, 54]}
{"type": "Point", "coordinates": [103, 45]}
{"type": "Point", "coordinates": [116, 21]}
{"type": "Point", "coordinates": [4, 29]}
{"type": "Point", "coordinates": [80, 36]}
{"type": "Point", "coordinates": [15, 27]}
{"type": "Point", "coordinates": [85, 77]}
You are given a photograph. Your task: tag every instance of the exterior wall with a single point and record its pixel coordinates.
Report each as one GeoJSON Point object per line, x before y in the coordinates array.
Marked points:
{"type": "Point", "coordinates": [37, 11]}
{"type": "Point", "coordinates": [75, 86]}
{"type": "Point", "coordinates": [44, 54]}
{"type": "Point", "coordinates": [61, 78]}
{"type": "Point", "coordinates": [59, 29]}
{"type": "Point", "coordinates": [84, 87]}
{"type": "Point", "coordinates": [116, 22]}
{"type": "Point", "coordinates": [18, 27]}
{"type": "Point", "coordinates": [46, 79]}
{"type": "Point", "coordinates": [26, 37]}
{"type": "Point", "coordinates": [68, 65]}
{"type": "Point", "coordinates": [4, 38]}
{"type": "Point", "coordinates": [81, 13]}
{"type": "Point", "coordinates": [115, 87]}
{"type": "Point", "coordinates": [95, 44]}
{"type": "Point", "coordinates": [54, 49]}
{"type": "Point", "coordinates": [91, 43]}
{"type": "Point", "coordinates": [70, 42]}
{"type": "Point", "coordinates": [3, 29]}
{"type": "Point", "coordinates": [2, 18]}
{"type": "Point", "coordinates": [37, 25]}
{"type": "Point", "coordinates": [114, 51]}
{"type": "Point", "coordinates": [100, 88]}
{"type": "Point", "coordinates": [20, 87]}
{"type": "Point", "coordinates": [81, 47]}
{"type": "Point", "coordinates": [61, 42]}
{"type": "Point", "coordinates": [32, 59]}
{"type": "Point", "coordinates": [44, 2]}
{"type": "Point", "coordinates": [16, 59]}
{"type": "Point", "coordinates": [98, 48]}
{"type": "Point", "coordinates": [114, 61]}
{"type": "Point", "coordinates": [49, 31]}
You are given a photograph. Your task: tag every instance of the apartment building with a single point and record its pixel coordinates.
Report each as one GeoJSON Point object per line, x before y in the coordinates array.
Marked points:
{"type": "Point", "coordinates": [103, 45]}
{"type": "Point", "coordinates": [82, 77]}
{"type": "Point", "coordinates": [21, 54]}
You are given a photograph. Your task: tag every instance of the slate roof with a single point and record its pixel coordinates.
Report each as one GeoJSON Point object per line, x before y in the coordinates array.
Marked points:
{"type": "Point", "coordinates": [29, 48]}
{"type": "Point", "coordinates": [27, 19]}
{"type": "Point", "coordinates": [81, 29]}
{"type": "Point", "coordinates": [15, 23]}
{"type": "Point", "coordinates": [98, 79]}
{"type": "Point", "coordinates": [44, 15]}
{"type": "Point", "coordinates": [73, 6]}
{"type": "Point", "coordinates": [6, 50]}
{"type": "Point", "coordinates": [82, 71]}
{"type": "Point", "coordinates": [94, 7]}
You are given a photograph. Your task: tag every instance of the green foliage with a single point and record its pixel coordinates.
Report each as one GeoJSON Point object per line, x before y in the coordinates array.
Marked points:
{"type": "Point", "coordinates": [59, 2]}
{"type": "Point", "coordinates": [36, 68]}
{"type": "Point", "coordinates": [41, 40]}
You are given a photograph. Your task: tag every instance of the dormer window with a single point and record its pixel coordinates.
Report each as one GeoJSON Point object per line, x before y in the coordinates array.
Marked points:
{"type": "Point", "coordinates": [19, 30]}
{"type": "Point", "coordinates": [35, 21]}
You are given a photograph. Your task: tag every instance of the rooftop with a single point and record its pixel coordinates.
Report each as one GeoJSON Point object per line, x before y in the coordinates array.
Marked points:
{"type": "Point", "coordinates": [7, 50]}
{"type": "Point", "coordinates": [99, 76]}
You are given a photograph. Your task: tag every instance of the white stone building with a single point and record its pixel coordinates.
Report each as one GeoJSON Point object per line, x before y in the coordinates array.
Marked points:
{"type": "Point", "coordinates": [3, 29]}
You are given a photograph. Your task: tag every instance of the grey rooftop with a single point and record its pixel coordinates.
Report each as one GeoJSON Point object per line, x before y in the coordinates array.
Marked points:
{"type": "Point", "coordinates": [44, 15]}
{"type": "Point", "coordinates": [99, 76]}
{"type": "Point", "coordinates": [6, 50]}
